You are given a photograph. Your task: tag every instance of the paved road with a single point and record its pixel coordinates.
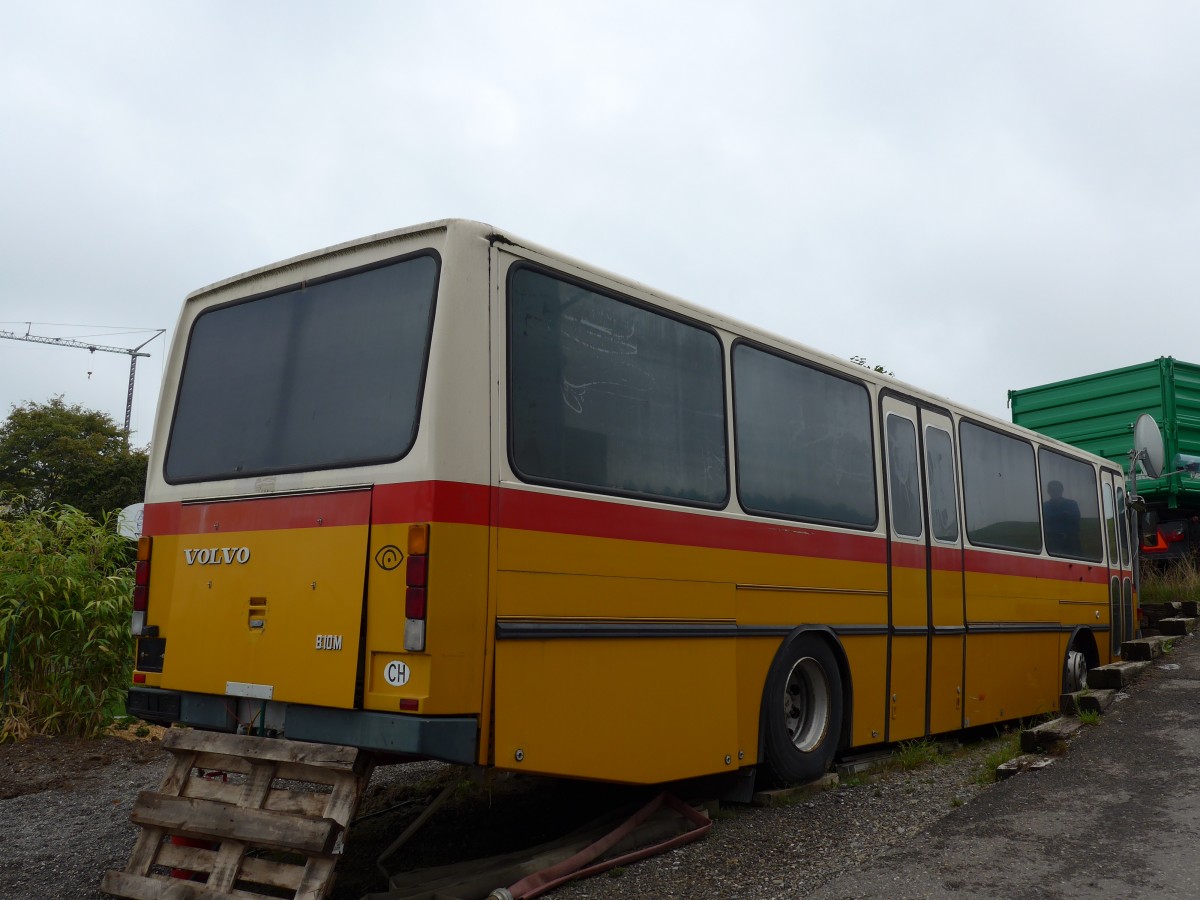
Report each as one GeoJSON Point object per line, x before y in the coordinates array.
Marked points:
{"type": "Point", "coordinates": [1118, 817]}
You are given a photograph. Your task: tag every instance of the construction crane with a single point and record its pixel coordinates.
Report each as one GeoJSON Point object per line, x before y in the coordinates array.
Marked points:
{"type": "Point", "coordinates": [132, 352]}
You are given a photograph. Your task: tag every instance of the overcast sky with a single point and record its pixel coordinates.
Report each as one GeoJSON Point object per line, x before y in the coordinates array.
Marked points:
{"type": "Point", "coordinates": [980, 196]}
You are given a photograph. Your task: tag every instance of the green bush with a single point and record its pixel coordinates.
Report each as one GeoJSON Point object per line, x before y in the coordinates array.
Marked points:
{"type": "Point", "coordinates": [66, 584]}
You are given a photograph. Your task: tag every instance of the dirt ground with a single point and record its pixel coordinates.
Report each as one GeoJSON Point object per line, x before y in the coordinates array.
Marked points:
{"type": "Point", "coordinates": [42, 763]}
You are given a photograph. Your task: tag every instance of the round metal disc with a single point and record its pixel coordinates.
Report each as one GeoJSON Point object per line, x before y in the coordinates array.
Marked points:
{"type": "Point", "coordinates": [1148, 440]}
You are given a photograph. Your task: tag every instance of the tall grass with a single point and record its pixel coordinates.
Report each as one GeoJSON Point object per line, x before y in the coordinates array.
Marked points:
{"type": "Point", "coordinates": [1180, 581]}
{"type": "Point", "coordinates": [65, 601]}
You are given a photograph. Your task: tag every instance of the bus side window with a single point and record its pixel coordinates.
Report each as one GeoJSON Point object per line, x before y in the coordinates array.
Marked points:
{"type": "Point", "coordinates": [1000, 492]}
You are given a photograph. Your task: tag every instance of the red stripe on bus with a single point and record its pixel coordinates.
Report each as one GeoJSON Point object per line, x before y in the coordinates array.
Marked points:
{"type": "Point", "coordinates": [476, 504]}
{"type": "Point", "coordinates": [947, 559]}
{"type": "Point", "coordinates": [446, 501]}
{"type": "Point", "coordinates": [432, 501]}
{"type": "Point", "coordinates": [260, 514]}
{"type": "Point", "coordinates": [984, 563]}
{"type": "Point", "coordinates": [908, 556]}
{"type": "Point", "coordinates": [535, 511]}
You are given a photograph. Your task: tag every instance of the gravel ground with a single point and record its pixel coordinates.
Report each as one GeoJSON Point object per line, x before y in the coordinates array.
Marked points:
{"type": "Point", "coordinates": [789, 850]}
{"type": "Point", "coordinates": [66, 806]}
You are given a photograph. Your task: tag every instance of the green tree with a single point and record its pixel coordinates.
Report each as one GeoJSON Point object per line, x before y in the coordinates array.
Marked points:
{"type": "Point", "coordinates": [54, 453]}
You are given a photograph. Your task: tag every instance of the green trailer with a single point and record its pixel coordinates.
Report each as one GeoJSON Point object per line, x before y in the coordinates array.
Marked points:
{"type": "Point", "coordinates": [1097, 413]}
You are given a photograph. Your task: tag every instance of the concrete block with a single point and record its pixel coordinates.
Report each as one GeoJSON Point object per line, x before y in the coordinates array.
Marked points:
{"type": "Point", "coordinates": [1156, 611]}
{"type": "Point", "coordinates": [1096, 701]}
{"type": "Point", "coordinates": [866, 763]}
{"type": "Point", "coordinates": [1177, 625]}
{"type": "Point", "coordinates": [1091, 700]}
{"type": "Point", "coordinates": [1114, 676]}
{"type": "Point", "coordinates": [1029, 762]}
{"type": "Point", "coordinates": [789, 795]}
{"type": "Point", "coordinates": [1142, 649]}
{"type": "Point", "coordinates": [1049, 736]}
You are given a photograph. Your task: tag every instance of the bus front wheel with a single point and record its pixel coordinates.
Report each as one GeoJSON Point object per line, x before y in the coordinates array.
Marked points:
{"type": "Point", "coordinates": [803, 711]}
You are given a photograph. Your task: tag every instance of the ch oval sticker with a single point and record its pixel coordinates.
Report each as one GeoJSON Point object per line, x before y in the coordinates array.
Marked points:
{"type": "Point", "coordinates": [396, 673]}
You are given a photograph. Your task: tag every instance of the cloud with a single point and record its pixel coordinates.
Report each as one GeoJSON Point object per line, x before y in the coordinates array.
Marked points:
{"type": "Point", "coordinates": [978, 196]}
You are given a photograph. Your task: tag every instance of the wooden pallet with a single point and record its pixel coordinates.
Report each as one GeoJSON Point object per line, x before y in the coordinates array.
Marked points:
{"type": "Point", "coordinates": [243, 832]}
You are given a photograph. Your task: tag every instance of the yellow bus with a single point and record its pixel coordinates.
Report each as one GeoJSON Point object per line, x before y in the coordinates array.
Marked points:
{"type": "Point", "coordinates": [445, 493]}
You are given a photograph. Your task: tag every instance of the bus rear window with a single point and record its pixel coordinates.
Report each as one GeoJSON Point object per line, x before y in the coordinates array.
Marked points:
{"type": "Point", "coordinates": [324, 375]}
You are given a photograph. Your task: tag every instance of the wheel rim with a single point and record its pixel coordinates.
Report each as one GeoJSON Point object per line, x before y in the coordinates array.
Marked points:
{"type": "Point", "coordinates": [1076, 671]}
{"type": "Point", "coordinates": [806, 704]}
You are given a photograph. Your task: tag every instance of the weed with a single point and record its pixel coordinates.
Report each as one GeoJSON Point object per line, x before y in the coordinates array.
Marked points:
{"type": "Point", "coordinates": [1167, 646]}
{"type": "Point", "coordinates": [616, 872]}
{"type": "Point", "coordinates": [142, 731]}
{"type": "Point", "coordinates": [1089, 716]}
{"type": "Point", "coordinates": [912, 754]}
{"type": "Point", "coordinates": [1008, 746]}
{"type": "Point", "coordinates": [956, 802]}
{"type": "Point", "coordinates": [1179, 582]}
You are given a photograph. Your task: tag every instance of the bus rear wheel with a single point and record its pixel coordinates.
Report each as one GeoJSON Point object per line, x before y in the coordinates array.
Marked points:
{"type": "Point", "coordinates": [1075, 670]}
{"type": "Point", "coordinates": [803, 711]}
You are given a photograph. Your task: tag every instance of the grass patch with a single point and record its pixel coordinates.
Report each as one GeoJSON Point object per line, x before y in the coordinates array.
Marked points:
{"type": "Point", "coordinates": [1089, 716]}
{"type": "Point", "coordinates": [1180, 581]}
{"type": "Point", "coordinates": [915, 753]}
{"type": "Point", "coordinates": [1008, 746]}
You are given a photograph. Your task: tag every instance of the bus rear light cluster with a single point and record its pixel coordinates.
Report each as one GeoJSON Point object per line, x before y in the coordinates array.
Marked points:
{"type": "Point", "coordinates": [141, 585]}
{"type": "Point", "coordinates": [416, 591]}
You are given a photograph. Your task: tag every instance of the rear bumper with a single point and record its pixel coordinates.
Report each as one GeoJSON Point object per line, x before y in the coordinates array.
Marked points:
{"type": "Point", "coordinates": [452, 738]}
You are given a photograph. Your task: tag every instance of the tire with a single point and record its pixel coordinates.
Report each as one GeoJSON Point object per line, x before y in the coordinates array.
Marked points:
{"type": "Point", "coordinates": [803, 711]}
{"type": "Point", "coordinates": [1075, 669]}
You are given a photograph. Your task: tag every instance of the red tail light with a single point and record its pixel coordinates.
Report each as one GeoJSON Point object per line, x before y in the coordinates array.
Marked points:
{"type": "Point", "coordinates": [141, 582]}
{"type": "Point", "coordinates": [416, 596]}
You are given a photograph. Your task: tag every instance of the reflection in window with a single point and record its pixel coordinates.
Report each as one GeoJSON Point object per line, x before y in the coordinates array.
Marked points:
{"type": "Point", "coordinates": [943, 506]}
{"type": "Point", "coordinates": [1123, 526]}
{"type": "Point", "coordinates": [1070, 510]}
{"type": "Point", "coordinates": [608, 395]}
{"type": "Point", "coordinates": [1000, 493]}
{"type": "Point", "coordinates": [904, 493]}
{"type": "Point", "coordinates": [803, 441]}
{"type": "Point", "coordinates": [1110, 526]}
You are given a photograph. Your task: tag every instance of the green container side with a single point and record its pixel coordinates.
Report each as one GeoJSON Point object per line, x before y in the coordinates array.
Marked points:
{"type": "Point", "coordinates": [1097, 412]}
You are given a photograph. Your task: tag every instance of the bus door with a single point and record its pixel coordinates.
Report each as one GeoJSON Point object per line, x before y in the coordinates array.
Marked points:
{"type": "Point", "coordinates": [925, 572]}
{"type": "Point", "coordinates": [946, 602]}
{"type": "Point", "coordinates": [1115, 629]}
{"type": "Point", "coordinates": [1126, 536]}
{"type": "Point", "coordinates": [908, 573]}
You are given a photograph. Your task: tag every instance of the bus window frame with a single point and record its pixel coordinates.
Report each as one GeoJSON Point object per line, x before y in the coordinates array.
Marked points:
{"type": "Point", "coordinates": [876, 477]}
{"type": "Point", "coordinates": [1096, 483]}
{"type": "Point", "coordinates": [617, 296]}
{"type": "Point", "coordinates": [955, 463]}
{"type": "Point", "coordinates": [962, 461]}
{"type": "Point", "coordinates": [427, 349]}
